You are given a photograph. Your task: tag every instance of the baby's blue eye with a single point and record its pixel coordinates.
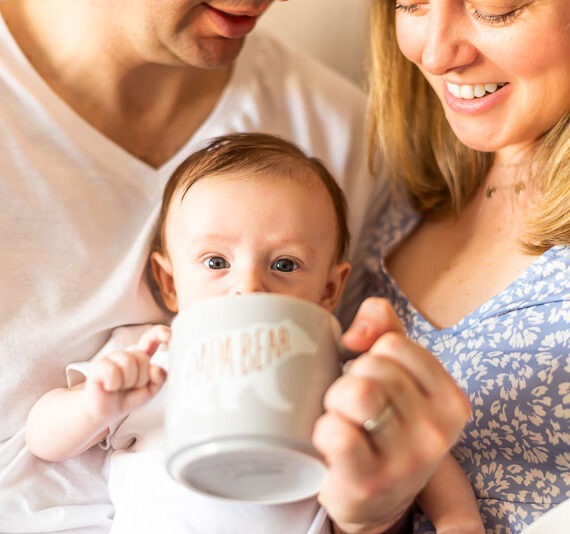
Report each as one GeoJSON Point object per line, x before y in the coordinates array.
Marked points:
{"type": "Point", "coordinates": [216, 262]}
{"type": "Point", "coordinates": [285, 265]}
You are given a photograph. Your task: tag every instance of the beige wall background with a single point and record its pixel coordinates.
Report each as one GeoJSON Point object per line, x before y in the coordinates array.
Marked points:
{"type": "Point", "coordinates": [333, 31]}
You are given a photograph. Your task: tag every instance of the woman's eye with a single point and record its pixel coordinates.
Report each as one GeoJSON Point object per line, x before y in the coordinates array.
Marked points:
{"type": "Point", "coordinates": [411, 8]}
{"type": "Point", "coordinates": [285, 265]}
{"type": "Point", "coordinates": [406, 8]}
{"type": "Point", "coordinates": [216, 262]}
{"type": "Point", "coordinates": [500, 19]}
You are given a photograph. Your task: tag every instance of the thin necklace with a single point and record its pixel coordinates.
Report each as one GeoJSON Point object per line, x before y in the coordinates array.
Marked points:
{"type": "Point", "coordinates": [518, 187]}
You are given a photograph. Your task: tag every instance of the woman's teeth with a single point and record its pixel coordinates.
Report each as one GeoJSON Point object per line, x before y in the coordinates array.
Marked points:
{"type": "Point", "coordinates": [468, 92]}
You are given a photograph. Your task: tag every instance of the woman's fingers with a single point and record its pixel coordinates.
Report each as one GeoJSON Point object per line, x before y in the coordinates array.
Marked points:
{"type": "Point", "coordinates": [359, 488]}
{"type": "Point", "coordinates": [412, 408]}
{"type": "Point", "coordinates": [379, 394]}
{"type": "Point", "coordinates": [374, 318]}
{"type": "Point", "coordinates": [355, 398]}
{"type": "Point", "coordinates": [450, 406]}
{"type": "Point", "coordinates": [400, 374]}
{"type": "Point", "coordinates": [343, 446]}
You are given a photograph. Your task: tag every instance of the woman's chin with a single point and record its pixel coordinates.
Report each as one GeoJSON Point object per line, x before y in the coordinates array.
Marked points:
{"type": "Point", "coordinates": [482, 140]}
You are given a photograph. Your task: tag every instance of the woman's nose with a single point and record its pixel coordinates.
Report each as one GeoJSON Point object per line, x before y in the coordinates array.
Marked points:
{"type": "Point", "coordinates": [447, 46]}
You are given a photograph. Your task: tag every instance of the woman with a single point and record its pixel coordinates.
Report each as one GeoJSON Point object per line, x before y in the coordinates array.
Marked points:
{"type": "Point", "coordinates": [470, 110]}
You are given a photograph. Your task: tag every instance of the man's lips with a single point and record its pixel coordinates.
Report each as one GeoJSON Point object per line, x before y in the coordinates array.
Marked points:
{"type": "Point", "coordinates": [232, 26]}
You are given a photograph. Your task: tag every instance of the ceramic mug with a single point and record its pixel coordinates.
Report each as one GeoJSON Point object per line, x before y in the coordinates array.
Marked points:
{"type": "Point", "coordinates": [246, 383]}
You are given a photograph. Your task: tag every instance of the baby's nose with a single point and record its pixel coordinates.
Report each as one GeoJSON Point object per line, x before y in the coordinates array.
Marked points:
{"type": "Point", "coordinates": [250, 282]}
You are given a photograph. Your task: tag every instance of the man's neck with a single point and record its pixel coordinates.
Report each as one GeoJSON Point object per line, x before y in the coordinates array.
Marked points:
{"type": "Point", "coordinates": [107, 84]}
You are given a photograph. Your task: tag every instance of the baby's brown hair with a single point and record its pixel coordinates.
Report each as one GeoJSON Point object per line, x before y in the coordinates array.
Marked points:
{"type": "Point", "coordinates": [255, 152]}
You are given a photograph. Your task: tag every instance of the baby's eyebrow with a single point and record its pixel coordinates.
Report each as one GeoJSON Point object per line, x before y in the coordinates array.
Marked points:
{"type": "Point", "coordinates": [297, 244]}
{"type": "Point", "coordinates": [211, 240]}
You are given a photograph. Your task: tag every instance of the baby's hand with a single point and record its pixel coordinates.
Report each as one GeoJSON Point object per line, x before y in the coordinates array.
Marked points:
{"type": "Point", "coordinates": [158, 335]}
{"type": "Point", "coordinates": [122, 381]}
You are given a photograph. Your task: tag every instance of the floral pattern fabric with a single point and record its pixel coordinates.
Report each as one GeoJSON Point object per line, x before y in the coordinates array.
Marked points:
{"type": "Point", "coordinates": [512, 358]}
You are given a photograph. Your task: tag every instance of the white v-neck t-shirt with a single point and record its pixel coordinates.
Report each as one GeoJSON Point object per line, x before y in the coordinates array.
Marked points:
{"type": "Point", "coordinates": [77, 213]}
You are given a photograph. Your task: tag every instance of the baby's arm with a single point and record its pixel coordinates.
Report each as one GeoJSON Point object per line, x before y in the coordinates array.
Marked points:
{"type": "Point", "coordinates": [67, 421]}
{"type": "Point", "coordinates": [449, 502]}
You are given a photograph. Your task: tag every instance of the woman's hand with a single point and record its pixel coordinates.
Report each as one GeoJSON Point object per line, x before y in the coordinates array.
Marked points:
{"type": "Point", "coordinates": [374, 476]}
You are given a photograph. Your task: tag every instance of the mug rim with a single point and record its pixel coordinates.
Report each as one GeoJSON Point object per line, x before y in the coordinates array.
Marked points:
{"type": "Point", "coordinates": [297, 301]}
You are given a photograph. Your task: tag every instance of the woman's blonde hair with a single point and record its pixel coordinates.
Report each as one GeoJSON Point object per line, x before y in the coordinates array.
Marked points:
{"type": "Point", "coordinates": [426, 161]}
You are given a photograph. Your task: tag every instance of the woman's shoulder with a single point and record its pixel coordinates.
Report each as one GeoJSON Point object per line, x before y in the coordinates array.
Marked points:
{"type": "Point", "coordinates": [388, 230]}
{"type": "Point", "coordinates": [549, 275]}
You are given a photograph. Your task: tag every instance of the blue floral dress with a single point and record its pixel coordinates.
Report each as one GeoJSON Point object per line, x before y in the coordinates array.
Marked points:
{"type": "Point", "coordinates": [512, 357]}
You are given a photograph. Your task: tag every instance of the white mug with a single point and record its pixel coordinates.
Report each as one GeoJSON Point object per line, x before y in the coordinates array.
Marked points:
{"type": "Point", "coordinates": [246, 383]}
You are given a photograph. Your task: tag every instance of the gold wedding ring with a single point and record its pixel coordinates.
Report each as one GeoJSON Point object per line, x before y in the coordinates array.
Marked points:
{"type": "Point", "coordinates": [378, 422]}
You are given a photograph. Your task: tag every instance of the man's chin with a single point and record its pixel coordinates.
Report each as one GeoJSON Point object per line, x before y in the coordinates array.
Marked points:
{"type": "Point", "coordinates": [217, 52]}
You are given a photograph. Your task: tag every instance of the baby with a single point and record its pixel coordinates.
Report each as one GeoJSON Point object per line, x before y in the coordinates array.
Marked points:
{"type": "Point", "coordinates": [247, 213]}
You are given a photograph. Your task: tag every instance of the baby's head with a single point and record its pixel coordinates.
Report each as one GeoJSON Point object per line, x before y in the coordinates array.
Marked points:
{"type": "Point", "coordinates": [251, 213]}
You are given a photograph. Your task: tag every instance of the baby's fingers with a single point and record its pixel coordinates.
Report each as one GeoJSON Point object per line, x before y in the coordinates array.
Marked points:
{"type": "Point", "coordinates": [153, 338]}
{"type": "Point", "coordinates": [157, 377]}
{"type": "Point", "coordinates": [135, 398]}
{"type": "Point", "coordinates": [121, 371]}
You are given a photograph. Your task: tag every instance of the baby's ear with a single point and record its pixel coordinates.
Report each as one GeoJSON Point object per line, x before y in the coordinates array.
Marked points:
{"type": "Point", "coordinates": [162, 272]}
{"type": "Point", "coordinates": [338, 274]}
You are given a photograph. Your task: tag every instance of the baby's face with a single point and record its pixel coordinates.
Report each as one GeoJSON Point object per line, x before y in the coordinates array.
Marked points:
{"type": "Point", "coordinates": [234, 234]}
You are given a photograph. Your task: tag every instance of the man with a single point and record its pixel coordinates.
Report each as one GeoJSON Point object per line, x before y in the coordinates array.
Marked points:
{"type": "Point", "coordinates": [99, 102]}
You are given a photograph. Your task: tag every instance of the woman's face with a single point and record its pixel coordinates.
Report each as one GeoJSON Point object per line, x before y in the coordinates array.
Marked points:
{"type": "Point", "coordinates": [501, 68]}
